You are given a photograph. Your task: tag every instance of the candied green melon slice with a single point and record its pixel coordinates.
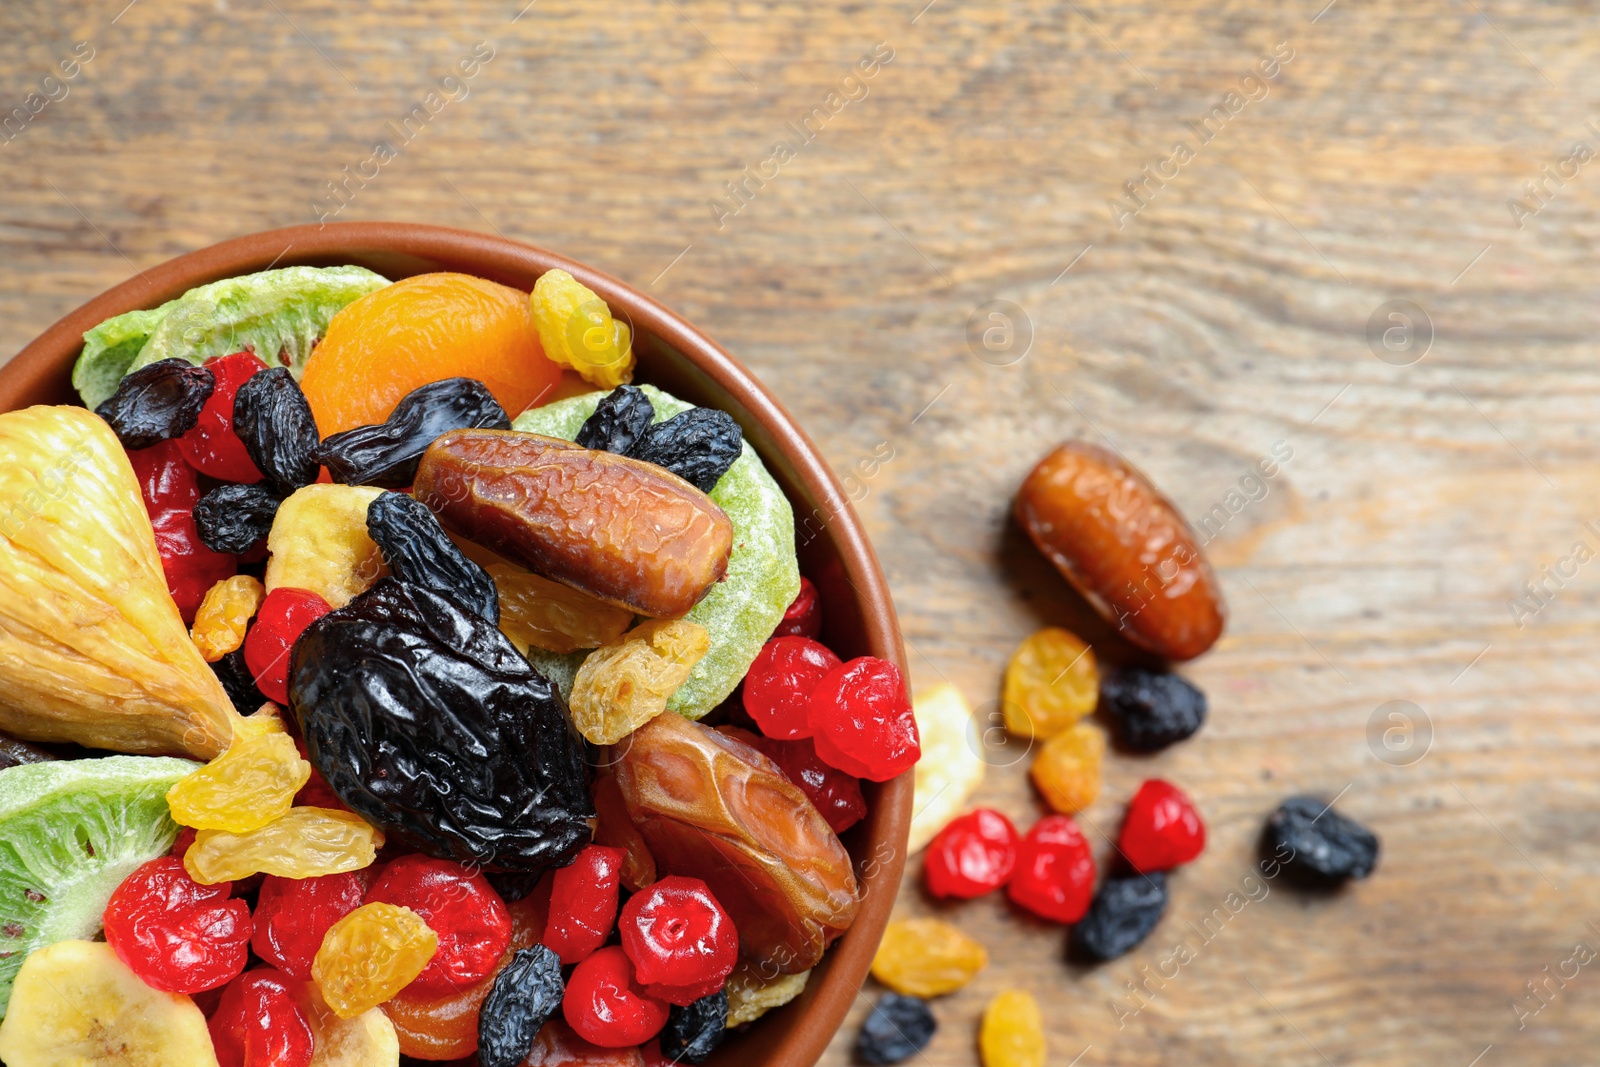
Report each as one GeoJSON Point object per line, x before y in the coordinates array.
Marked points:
{"type": "Point", "coordinates": [110, 349]}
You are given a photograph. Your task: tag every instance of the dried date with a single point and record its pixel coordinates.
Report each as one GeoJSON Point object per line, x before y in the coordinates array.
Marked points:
{"type": "Point", "coordinates": [619, 421]}
{"type": "Point", "coordinates": [386, 454]}
{"type": "Point", "coordinates": [157, 403]}
{"type": "Point", "coordinates": [417, 550]}
{"type": "Point", "coordinates": [698, 446]}
{"type": "Point", "coordinates": [273, 419]}
{"type": "Point", "coordinates": [233, 518]}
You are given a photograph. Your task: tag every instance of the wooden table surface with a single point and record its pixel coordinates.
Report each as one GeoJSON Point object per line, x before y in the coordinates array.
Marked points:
{"type": "Point", "coordinates": [1370, 153]}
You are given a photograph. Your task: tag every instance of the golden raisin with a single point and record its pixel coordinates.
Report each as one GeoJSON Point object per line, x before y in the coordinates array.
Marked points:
{"type": "Point", "coordinates": [319, 542]}
{"type": "Point", "coordinates": [577, 330]}
{"type": "Point", "coordinates": [244, 789]}
{"type": "Point", "coordinates": [926, 958]}
{"type": "Point", "coordinates": [370, 955]}
{"type": "Point", "coordinates": [624, 685]}
{"type": "Point", "coordinates": [537, 612]}
{"type": "Point", "coordinates": [1067, 768]}
{"type": "Point", "coordinates": [1012, 1034]}
{"type": "Point", "coordinates": [752, 993]}
{"type": "Point", "coordinates": [1051, 683]}
{"type": "Point", "coordinates": [304, 843]}
{"type": "Point", "coordinates": [225, 614]}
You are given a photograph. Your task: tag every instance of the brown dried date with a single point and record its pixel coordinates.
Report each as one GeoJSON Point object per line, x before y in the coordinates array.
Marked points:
{"type": "Point", "coordinates": [714, 808]}
{"type": "Point", "coordinates": [1124, 547]}
{"type": "Point", "coordinates": [616, 528]}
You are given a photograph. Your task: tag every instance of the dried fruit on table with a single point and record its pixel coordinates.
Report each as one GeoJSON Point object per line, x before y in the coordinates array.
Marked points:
{"type": "Point", "coordinates": [1051, 683]}
{"type": "Point", "coordinates": [583, 903]}
{"type": "Point", "coordinates": [616, 528]}
{"type": "Point", "coordinates": [1012, 1034]}
{"type": "Point", "coordinates": [896, 1029]}
{"type": "Point", "coordinates": [171, 490]}
{"type": "Point", "coordinates": [272, 418]}
{"type": "Point", "coordinates": [319, 541]}
{"type": "Point", "coordinates": [225, 614]}
{"type": "Point", "coordinates": [293, 915]}
{"type": "Point", "coordinates": [975, 854]}
{"type": "Point", "coordinates": [1055, 871]}
{"type": "Point", "coordinates": [177, 934]}
{"type": "Point", "coordinates": [713, 808]}
{"type": "Point", "coordinates": [92, 648]}
{"type": "Point", "coordinates": [777, 690]}
{"type": "Point", "coordinates": [260, 1020]}
{"type": "Point", "coordinates": [1152, 709]}
{"type": "Point", "coordinates": [615, 829]}
{"type": "Point", "coordinates": [526, 995]}
{"type": "Point", "coordinates": [952, 763]}
{"type": "Point", "coordinates": [832, 792]}
{"type": "Point", "coordinates": [370, 955]}
{"type": "Point", "coordinates": [418, 551]}
{"type": "Point", "coordinates": [619, 421]}
{"type": "Point", "coordinates": [694, 1031]}
{"type": "Point", "coordinates": [1066, 770]}
{"type": "Point", "coordinates": [927, 958]}
{"type": "Point", "coordinates": [157, 403]}
{"type": "Point", "coordinates": [803, 616]}
{"type": "Point", "coordinates": [863, 722]}
{"type": "Point", "coordinates": [386, 453]}
{"type": "Point", "coordinates": [1161, 830]}
{"type": "Point", "coordinates": [244, 789]}
{"type": "Point", "coordinates": [211, 446]}
{"type": "Point", "coordinates": [621, 686]}
{"type": "Point", "coordinates": [1122, 914]}
{"type": "Point", "coordinates": [538, 613]}
{"type": "Point", "coordinates": [284, 615]}
{"type": "Point", "coordinates": [577, 330]}
{"type": "Point", "coordinates": [303, 843]}
{"type": "Point", "coordinates": [1124, 547]}
{"type": "Point", "coordinates": [427, 721]}
{"type": "Point", "coordinates": [698, 446]}
{"type": "Point", "coordinates": [608, 1006]}
{"type": "Point", "coordinates": [422, 330]}
{"type": "Point", "coordinates": [753, 991]}
{"type": "Point", "coordinates": [458, 905]}
{"type": "Point", "coordinates": [681, 942]}
{"type": "Point", "coordinates": [1318, 845]}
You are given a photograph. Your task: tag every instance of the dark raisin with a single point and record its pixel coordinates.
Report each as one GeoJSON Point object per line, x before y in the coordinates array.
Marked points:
{"type": "Point", "coordinates": [386, 453]}
{"type": "Point", "coordinates": [897, 1029]}
{"type": "Point", "coordinates": [1152, 709]}
{"type": "Point", "coordinates": [272, 418]}
{"type": "Point", "coordinates": [419, 551]}
{"type": "Point", "coordinates": [239, 683]}
{"type": "Point", "coordinates": [698, 446]}
{"type": "Point", "coordinates": [511, 885]}
{"type": "Point", "coordinates": [619, 420]}
{"type": "Point", "coordinates": [1123, 913]}
{"type": "Point", "coordinates": [232, 518]}
{"type": "Point", "coordinates": [14, 753]}
{"type": "Point", "coordinates": [525, 995]}
{"type": "Point", "coordinates": [157, 403]}
{"type": "Point", "coordinates": [1316, 844]}
{"type": "Point", "coordinates": [693, 1033]}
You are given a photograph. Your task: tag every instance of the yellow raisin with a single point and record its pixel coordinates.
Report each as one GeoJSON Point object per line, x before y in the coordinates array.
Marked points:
{"type": "Point", "coordinates": [537, 612]}
{"type": "Point", "coordinates": [1051, 683]}
{"type": "Point", "coordinates": [926, 958]}
{"type": "Point", "coordinates": [752, 993]}
{"type": "Point", "coordinates": [244, 789]}
{"type": "Point", "coordinates": [370, 955]}
{"type": "Point", "coordinates": [319, 542]}
{"type": "Point", "coordinates": [304, 843]}
{"type": "Point", "coordinates": [576, 330]}
{"type": "Point", "coordinates": [623, 685]}
{"type": "Point", "coordinates": [1067, 768]}
{"type": "Point", "coordinates": [225, 614]}
{"type": "Point", "coordinates": [1012, 1034]}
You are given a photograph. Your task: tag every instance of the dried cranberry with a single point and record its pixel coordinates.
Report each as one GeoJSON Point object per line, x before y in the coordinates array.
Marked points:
{"type": "Point", "coordinates": [974, 854]}
{"type": "Point", "coordinates": [606, 1004]}
{"type": "Point", "coordinates": [1161, 830]}
{"type": "Point", "coordinates": [212, 446]}
{"type": "Point", "coordinates": [293, 914]}
{"type": "Point", "coordinates": [260, 1023]}
{"type": "Point", "coordinates": [863, 720]}
{"type": "Point", "coordinates": [177, 935]}
{"type": "Point", "coordinates": [680, 940]}
{"type": "Point", "coordinates": [779, 684]}
{"type": "Point", "coordinates": [171, 490]}
{"type": "Point", "coordinates": [583, 903]}
{"type": "Point", "coordinates": [1054, 877]}
{"type": "Point", "coordinates": [803, 617]}
{"type": "Point", "coordinates": [832, 792]}
{"type": "Point", "coordinates": [458, 904]}
{"type": "Point", "coordinates": [283, 617]}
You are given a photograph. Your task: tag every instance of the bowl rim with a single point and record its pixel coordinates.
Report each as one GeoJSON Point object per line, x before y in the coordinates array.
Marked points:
{"type": "Point", "coordinates": [36, 371]}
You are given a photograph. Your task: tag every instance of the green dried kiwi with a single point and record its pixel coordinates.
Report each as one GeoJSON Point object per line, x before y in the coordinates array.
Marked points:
{"type": "Point", "coordinates": [110, 349]}
{"type": "Point", "coordinates": [741, 611]}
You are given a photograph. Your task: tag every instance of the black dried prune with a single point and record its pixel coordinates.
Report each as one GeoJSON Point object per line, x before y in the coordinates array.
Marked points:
{"type": "Point", "coordinates": [898, 1028]}
{"type": "Point", "coordinates": [273, 419]}
{"type": "Point", "coordinates": [619, 420]}
{"type": "Point", "coordinates": [232, 518]}
{"type": "Point", "coordinates": [1317, 845]}
{"type": "Point", "coordinates": [698, 446]}
{"type": "Point", "coordinates": [1123, 913]}
{"type": "Point", "coordinates": [693, 1033]}
{"type": "Point", "coordinates": [417, 550]}
{"type": "Point", "coordinates": [385, 454]}
{"type": "Point", "coordinates": [428, 723]}
{"type": "Point", "coordinates": [1152, 709]}
{"type": "Point", "coordinates": [525, 995]}
{"type": "Point", "coordinates": [157, 403]}
{"type": "Point", "coordinates": [240, 685]}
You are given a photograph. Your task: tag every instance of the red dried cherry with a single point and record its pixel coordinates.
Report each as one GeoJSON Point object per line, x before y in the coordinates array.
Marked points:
{"type": "Point", "coordinates": [779, 684]}
{"type": "Point", "coordinates": [212, 446]}
{"type": "Point", "coordinates": [863, 720]}
{"type": "Point", "coordinates": [832, 792]}
{"type": "Point", "coordinates": [459, 905]}
{"type": "Point", "coordinates": [283, 617]}
{"type": "Point", "coordinates": [1054, 876]}
{"type": "Point", "coordinates": [171, 490]}
{"type": "Point", "coordinates": [583, 903]}
{"type": "Point", "coordinates": [681, 942]}
{"type": "Point", "coordinates": [1161, 830]}
{"type": "Point", "coordinates": [178, 935]}
{"type": "Point", "coordinates": [293, 915]}
{"type": "Point", "coordinates": [259, 1022]}
{"type": "Point", "coordinates": [974, 854]}
{"type": "Point", "coordinates": [607, 1006]}
{"type": "Point", "coordinates": [803, 617]}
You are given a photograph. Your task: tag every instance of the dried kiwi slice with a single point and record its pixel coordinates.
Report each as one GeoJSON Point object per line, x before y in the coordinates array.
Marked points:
{"type": "Point", "coordinates": [70, 832]}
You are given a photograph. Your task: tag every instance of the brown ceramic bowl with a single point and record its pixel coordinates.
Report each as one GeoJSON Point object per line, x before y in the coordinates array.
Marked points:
{"type": "Point", "coordinates": [834, 552]}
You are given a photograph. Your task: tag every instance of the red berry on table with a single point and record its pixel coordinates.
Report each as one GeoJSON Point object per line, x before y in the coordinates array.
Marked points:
{"type": "Point", "coordinates": [178, 935]}
{"type": "Point", "coordinates": [680, 940]}
{"type": "Point", "coordinates": [803, 618]}
{"type": "Point", "coordinates": [863, 720]}
{"type": "Point", "coordinates": [459, 906]}
{"type": "Point", "coordinates": [974, 854]}
{"type": "Point", "coordinates": [583, 903]}
{"type": "Point", "coordinates": [293, 914]}
{"type": "Point", "coordinates": [171, 489]}
{"type": "Point", "coordinates": [779, 684]}
{"type": "Point", "coordinates": [1054, 877]}
{"type": "Point", "coordinates": [260, 1023]}
{"type": "Point", "coordinates": [832, 792]}
{"type": "Point", "coordinates": [283, 617]}
{"type": "Point", "coordinates": [607, 1006]}
{"type": "Point", "coordinates": [212, 446]}
{"type": "Point", "coordinates": [1161, 830]}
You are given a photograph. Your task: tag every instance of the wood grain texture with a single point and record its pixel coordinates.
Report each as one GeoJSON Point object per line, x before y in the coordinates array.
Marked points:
{"type": "Point", "coordinates": [1227, 315]}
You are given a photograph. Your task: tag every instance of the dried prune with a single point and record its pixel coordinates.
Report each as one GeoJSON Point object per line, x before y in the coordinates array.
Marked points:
{"type": "Point", "coordinates": [698, 446]}
{"type": "Point", "coordinates": [897, 1029]}
{"type": "Point", "coordinates": [428, 722]}
{"type": "Point", "coordinates": [526, 994]}
{"type": "Point", "coordinates": [417, 550]}
{"type": "Point", "coordinates": [693, 1033]}
{"type": "Point", "coordinates": [1316, 844]}
{"type": "Point", "coordinates": [386, 454]}
{"type": "Point", "coordinates": [157, 403]}
{"type": "Point", "coordinates": [234, 674]}
{"type": "Point", "coordinates": [1122, 914]}
{"type": "Point", "coordinates": [1152, 709]}
{"type": "Point", "coordinates": [611, 526]}
{"type": "Point", "coordinates": [618, 422]}
{"type": "Point", "coordinates": [14, 753]}
{"type": "Point", "coordinates": [233, 518]}
{"type": "Point", "coordinates": [273, 419]}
